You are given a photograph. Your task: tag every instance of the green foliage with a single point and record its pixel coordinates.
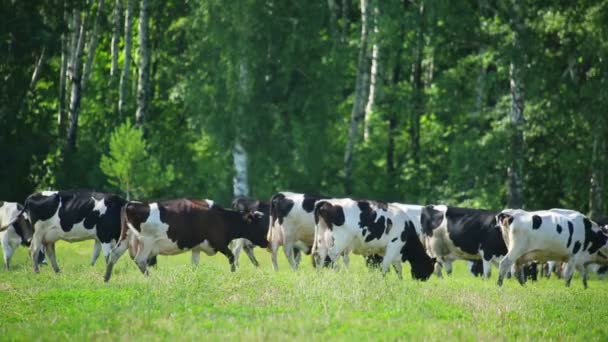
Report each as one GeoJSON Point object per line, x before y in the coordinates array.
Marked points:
{"type": "Point", "coordinates": [130, 167]}
{"type": "Point", "coordinates": [293, 117]}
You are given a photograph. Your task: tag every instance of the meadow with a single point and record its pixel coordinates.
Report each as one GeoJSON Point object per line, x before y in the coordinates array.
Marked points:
{"type": "Point", "coordinates": [179, 301]}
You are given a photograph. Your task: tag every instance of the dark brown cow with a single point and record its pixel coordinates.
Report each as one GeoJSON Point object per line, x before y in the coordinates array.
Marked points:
{"type": "Point", "coordinates": [176, 226]}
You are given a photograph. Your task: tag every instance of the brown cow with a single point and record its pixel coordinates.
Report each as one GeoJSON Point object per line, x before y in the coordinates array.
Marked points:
{"type": "Point", "coordinates": [176, 226]}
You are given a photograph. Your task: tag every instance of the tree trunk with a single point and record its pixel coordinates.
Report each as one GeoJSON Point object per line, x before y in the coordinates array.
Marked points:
{"type": "Point", "coordinates": [515, 197]}
{"type": "Point", "coordinates": [115, 37]}
{"type": "Point", "coordinates": [144, 66]}
{"type": "Point", "coordinates": [392, 117]}
{"type": "Point", "coordinates": [358, 110]}
{"type": "Point", "coordinates": [333, 20]}
{"type": "Point", "coordinates": [62, 84]}
{"type": "Point", "coordinates": [345, 20]}
{"type": "Point", "coordinates": [418, 91]}
{"type": "Point", "coordinates": [240, 181]}
{"type": "Point", "coordinates": [124, 76]}
{"type": "Point", "coordinates": [92, 46]}
{"type": "Point", "coordinates": [598, 162]}
{"type": "Point", "coordinates": [75, 79]}
{"type": "Point", "coordinates": [239, 154]}
{"type": "Point", "coordinates": [373, 70]}
{"type": "Point", "coordinates": [30, 91]}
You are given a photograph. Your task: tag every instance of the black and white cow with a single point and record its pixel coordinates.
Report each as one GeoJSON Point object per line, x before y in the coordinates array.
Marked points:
{"type": "Point", "coordinates": [552, 235]}
{"type": "Point", "coordinates": [292, 224]}
{"type": "Point", "coordinates": [368, 227]}
{"type": "Point", "coordinates": [72, 215]}
{"type": "Point", "coordinates": [461, 233]}
{"type": "Point", "coordinates": [16, 229]}
{"type": "Point", "coordinates": [245, 204]}
{"type": "Point", "coordinates": [176, 226]}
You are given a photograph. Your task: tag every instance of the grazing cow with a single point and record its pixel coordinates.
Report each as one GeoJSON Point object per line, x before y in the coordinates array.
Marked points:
{"type": "Point", "coordinates": [245, 204]}
{"type": "Point", "coordinates": [552, 235]}
{"type": "Point", "coordinates": [367, 227]}
{"type": "Point", "coordinates": [18, 229]}
{"type": "Point", "coordinates": [292, 224]}
{"type": "Point", "coordinates": [175, 226]}
{"type": "Point", "coordinates": [72, 215]}
{"type": "Point", "coordinates": [460, 233]}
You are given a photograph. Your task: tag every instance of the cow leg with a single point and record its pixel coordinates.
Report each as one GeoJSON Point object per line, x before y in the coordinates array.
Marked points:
{"type": "Point", "coordinates": [582, 269]}
{"type": "Point", "coordinates": [568, 272]}
{"type": "Point", "coordinates": [236, 250]}
{"type": "Point", "coordinates": [438, 266]}
{"type": "Point", "coordinates": [196, 257]}
{"type": "Point", "coordinates": [398, 266]}
{"type": "Point", "coordinates": [49, 249]}
{"type": "Point", "coordinates": [297, 255]}
{"type": "Point", "coordinates": [96, 251]}
{"type": "Point", "coordinates": [518, 271]}
{"type": "Point", "coordinates": [503, 268]}
{"type": "Point", "coordinates": [106, 248]}
{"type": "Point", "coordinates": [288, 245]}
{"type": "Point", "coordinates": [118, 250]}
{"type": "Point", "coordinates": [35, 249]}
{"type": "Point", "coordinates": [274, 248]}
{"type": "Point", "coordinates": [392, 255]}
{"type": "Point", "coordinates": [8, 249]}
{"type": "Point", "coordinates": [249, 251]}
{"type": "Point", "coordinates": [346, 259]}
{"type": "Point", "coordinates": [143, 254]}
{"type": "Point", "coordinates": [487, 268]}
{"type": "Point", "coordinates": [448, 267]}
{"type": "Point", "coordinates": [340, 245]}
{"type": "Point", "coordinates": [228, 253]}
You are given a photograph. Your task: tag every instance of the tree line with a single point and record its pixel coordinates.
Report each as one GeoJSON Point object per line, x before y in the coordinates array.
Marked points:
{"type": "Point", "coordinates": [474, 103]}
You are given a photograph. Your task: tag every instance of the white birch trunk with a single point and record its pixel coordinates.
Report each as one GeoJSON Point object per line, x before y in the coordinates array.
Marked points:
{"type": "Point", "coordinates": [241, 175]}
{"type": "Point", "coordinates": [115, 37]}
{"type": "Point", "coordinates": [75, 79]}
{"type": "Point", "coordinates": [358, 110]}
{"type": "Point", "coordinates": [92, 45]}
{"type": "Point", "coordinates": [515, 197]}
{"type": "Point", "coordinates": [371, 99]}
{"type": "Point", "coordinates": [144, 66]}
{"type": "Point", "coordinates": [126, 69]}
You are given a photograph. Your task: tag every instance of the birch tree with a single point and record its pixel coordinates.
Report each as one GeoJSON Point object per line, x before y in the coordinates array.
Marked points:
{"type": "Point", "coordinates": [92, 45]}
{"type": "Point", "coordinates": [126, 69]}
{"type": "Point", "coordinates": [373, 78]}
{"type": "Point", "coordinates": [144, 65]}
{"type": "Point", "coordinates": [358, 110]}
{"type": "Point", "coordinates": [75, 73]}
{"type": "Point", "coordinates": [516, 114]}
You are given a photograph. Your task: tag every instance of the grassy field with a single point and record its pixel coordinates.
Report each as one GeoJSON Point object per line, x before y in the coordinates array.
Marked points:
{"type": "Point", "coordinates": [209, 302]}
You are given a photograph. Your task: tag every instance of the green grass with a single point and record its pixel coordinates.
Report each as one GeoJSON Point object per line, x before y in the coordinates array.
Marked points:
{"type": "Point", "coordinates": [210, 302]}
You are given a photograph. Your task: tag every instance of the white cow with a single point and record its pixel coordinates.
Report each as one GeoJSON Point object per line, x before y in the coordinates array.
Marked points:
{"type": "Point", "coordinates": [552, 235]}
{"type": "Point", "coordinates": [292, 224]}
{"type": "Point", "coordinates": [366, 228]}
{"type": "Point", "coordinates": [18, 230]}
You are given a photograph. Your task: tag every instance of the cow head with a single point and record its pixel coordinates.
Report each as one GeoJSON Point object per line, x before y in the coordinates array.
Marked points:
{"type": "Point", "coordinates": [255, 230]}
{"type": "Point", "coordinates": [24, 229]}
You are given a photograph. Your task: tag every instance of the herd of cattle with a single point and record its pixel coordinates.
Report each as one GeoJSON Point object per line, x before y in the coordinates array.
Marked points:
{"type": "Point", "coordinates": [428, 237]}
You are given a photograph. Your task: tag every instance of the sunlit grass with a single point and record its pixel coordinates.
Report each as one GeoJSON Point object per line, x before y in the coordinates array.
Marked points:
{"type": "Point", "coordinates": [209, 302]}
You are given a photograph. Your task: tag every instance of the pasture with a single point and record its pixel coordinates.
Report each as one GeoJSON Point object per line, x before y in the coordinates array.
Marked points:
{"type": "Point", "coordinates": [210, 302]}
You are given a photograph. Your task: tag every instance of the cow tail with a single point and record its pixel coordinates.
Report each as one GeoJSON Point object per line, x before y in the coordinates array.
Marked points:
{"type": "Point", "coordinates": [123, 223]}
{"type": "Point", "coordinates": [272, 219]}
{"type": "Point", "coordinates": [316, 213]}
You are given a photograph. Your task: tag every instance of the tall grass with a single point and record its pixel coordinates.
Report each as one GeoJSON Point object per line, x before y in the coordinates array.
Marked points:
{"type": "Point", "coordinates": [178, 301]}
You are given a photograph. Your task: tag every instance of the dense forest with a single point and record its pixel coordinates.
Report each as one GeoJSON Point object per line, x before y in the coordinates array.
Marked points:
{"type": "Point", "coordinates": [476, 103]}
